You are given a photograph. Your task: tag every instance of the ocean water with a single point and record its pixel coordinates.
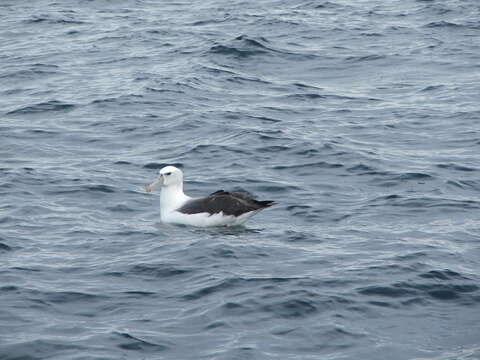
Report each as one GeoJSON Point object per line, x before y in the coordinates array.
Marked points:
{"type": "Point", "coordinates": [360, 118]}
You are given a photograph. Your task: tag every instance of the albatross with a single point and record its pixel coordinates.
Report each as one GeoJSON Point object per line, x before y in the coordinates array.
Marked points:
{"type": "Point", "coordinates": [221, 208]}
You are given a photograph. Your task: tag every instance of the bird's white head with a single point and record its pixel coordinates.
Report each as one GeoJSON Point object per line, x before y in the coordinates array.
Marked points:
{"type": "Point", "coordinates": [171, 176]}
{"type": "Point", "coordinates": [168, 176]}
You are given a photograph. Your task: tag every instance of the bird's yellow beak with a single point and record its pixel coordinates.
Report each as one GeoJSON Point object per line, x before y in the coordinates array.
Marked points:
{"type": "Point", "coordinates": [155, 184]}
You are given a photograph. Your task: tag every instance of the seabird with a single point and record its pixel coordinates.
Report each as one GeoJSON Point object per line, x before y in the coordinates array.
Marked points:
{"type": "Point", "coordinates": [221, 208]}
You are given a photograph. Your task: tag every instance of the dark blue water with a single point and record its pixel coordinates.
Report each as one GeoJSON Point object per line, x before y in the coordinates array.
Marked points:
{"type": "Point", "coordinates": [361, 118]}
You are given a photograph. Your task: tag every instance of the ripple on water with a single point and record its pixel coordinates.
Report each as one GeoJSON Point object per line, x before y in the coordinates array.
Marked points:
{"type": "Point", "coordinates": [157, 270]}
{"type": "Point", "coordinates": [444, 285]}
{"type": "Point", "coordinates": [457, 167]}
{"type": "Point", "coordinates": [40, 349]}
{"type": "Point", "coordinates": [242, 47]}
{"type": "Point", "coordinates": [127, 341]}
{"type": "Point", "coordinates": [4, 247]}
{"type": "Point", "coordinates": [49, 106]}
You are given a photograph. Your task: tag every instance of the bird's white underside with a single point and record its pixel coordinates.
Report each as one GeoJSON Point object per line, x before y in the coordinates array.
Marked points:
{"type": "Point", "coordinates": [205, 219]}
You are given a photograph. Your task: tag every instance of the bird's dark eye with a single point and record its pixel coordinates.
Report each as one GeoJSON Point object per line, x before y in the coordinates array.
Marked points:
{"type": "Point", "coordinates": [169, 173]}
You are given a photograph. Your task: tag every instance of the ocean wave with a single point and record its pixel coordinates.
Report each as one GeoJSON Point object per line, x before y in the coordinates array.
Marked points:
{"type": "Point", "coordinates": [310, 166]}
{"type": "Point", "coordinates": [47, 19]}
{"type": "Point", "coordinates": [49, 106]}
{"type": "Point", "coordinates": [245, 47]}
{"type": "Point", "coordinates": [456, 167]}
{"type": "Point", "coordinates": [39, 349]}
{"type": "Point", "coordinates": [34, 71]}
{"type": "Point", "coordinates": [129, 342]}
{"type": "Point", "coordinates": [465, 292]}
{"type": "Point", "coordinates": [157, 270]}
{"type": "Point", "coordinates": [5, 247]}
{"type": "Point", "coordinates": [443, 24]}
{"type": "Point", "coordinates": [370, 57]}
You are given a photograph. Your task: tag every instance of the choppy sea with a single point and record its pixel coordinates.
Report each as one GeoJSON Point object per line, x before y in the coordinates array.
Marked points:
{"type": "Point", "coordinates": [360, 118]}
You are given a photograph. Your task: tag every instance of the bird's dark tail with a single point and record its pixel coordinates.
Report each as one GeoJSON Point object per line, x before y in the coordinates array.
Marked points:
{"type": "Point", "coordinates": [267, 203]}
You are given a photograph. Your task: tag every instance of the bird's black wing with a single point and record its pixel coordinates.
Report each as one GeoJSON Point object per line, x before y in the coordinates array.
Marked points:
{"type": "Point", "coordinates": [230, 203]}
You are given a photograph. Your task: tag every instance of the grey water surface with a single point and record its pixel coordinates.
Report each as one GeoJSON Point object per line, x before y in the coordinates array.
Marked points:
{"type": "Point", "coordinates": [360, 118]}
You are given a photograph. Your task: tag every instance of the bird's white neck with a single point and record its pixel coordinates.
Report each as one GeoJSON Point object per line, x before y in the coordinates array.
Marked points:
{"type": "Point", "coordinates": [171, 198]}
